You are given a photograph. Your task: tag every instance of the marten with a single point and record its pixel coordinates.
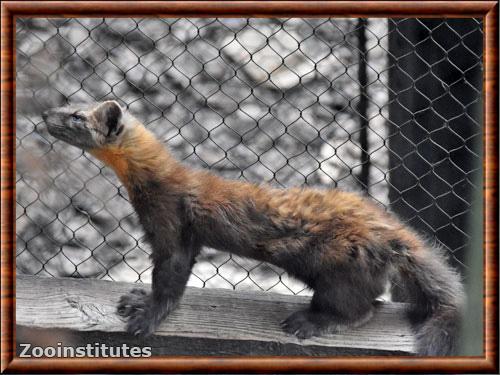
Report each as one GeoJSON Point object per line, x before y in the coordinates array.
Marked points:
{"type": "Point", "coordinates": [340, 244]}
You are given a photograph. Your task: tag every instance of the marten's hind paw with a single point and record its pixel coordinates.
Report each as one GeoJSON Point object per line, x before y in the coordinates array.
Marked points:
{"type": "Point", "coordinates": [301, 325]}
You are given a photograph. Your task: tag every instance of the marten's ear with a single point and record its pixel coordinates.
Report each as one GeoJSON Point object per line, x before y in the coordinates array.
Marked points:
{"type": "Point", "coordinates": [110, 114]}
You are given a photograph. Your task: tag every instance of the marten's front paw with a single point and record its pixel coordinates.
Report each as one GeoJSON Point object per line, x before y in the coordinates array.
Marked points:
{"type": "Point", "coordinates": [136, 306]}
{"type": "Point", "coordinates": [301, 325]}
{"type": "Point", "coordinates": [142, 323]}
{"type": "Point", "coordinates": [134, 300]}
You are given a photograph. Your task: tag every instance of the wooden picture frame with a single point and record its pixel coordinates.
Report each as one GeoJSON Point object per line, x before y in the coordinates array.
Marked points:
{"type": "Point", "coordinates": [488, 10]}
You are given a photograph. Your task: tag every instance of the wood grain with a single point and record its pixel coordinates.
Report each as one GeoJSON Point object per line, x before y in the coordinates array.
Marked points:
{"type": "Point", "coordinates": [490, 92]}
{"type": "Point", "coordinates": [7, 187]}
{"type": "Point", "coordinates": [252, 8]}
{"type": "Point", "coordinates": [486, 9]}
{"type": "Point", "coordinates": [232, 322]}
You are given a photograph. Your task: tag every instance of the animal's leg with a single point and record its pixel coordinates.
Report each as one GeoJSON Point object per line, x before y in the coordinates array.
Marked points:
{"type": "Point", "coordinates": [332, 309]}
{"type": "Point", "coordinates": [145, 310]}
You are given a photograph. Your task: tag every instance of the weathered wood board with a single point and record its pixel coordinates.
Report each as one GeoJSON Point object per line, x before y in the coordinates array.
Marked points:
{"type": "Point", "coordinates": [208, 322]}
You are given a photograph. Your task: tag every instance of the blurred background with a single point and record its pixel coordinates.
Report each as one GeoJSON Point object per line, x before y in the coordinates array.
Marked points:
{"type": "Point", "coordinates": [388, 107]}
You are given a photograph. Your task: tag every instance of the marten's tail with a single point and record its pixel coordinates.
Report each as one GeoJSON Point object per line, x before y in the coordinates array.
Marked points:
{"type": "Point", "coordinates": [436, 297]}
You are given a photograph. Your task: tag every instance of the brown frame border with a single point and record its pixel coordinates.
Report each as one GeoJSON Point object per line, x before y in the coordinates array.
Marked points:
{"type": "Point", "coordinates": [488, 10]}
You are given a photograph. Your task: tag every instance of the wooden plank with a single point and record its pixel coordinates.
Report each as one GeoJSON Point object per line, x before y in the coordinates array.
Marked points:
{"type": "Point", "coordinates": [208, 321]}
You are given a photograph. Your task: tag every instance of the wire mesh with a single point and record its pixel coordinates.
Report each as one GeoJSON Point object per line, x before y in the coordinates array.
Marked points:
{"type": "Point", "coordinates": [388, 107]}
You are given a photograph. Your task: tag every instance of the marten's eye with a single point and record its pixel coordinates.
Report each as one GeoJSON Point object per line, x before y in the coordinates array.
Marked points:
{"type": "Point", "coordinates": [77, 119]}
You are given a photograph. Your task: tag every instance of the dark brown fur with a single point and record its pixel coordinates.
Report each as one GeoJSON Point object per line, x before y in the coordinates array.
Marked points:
{"type": "Point", "coordinates": [341, 245]}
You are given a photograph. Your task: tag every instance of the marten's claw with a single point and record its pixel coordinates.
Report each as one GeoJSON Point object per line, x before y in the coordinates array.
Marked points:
{"type": "Point", "coordinates": [300, 325]}
{"type": "Point", "coordinates": [141, 323]}
{"type": "Point", "coordinates": [136, 307]}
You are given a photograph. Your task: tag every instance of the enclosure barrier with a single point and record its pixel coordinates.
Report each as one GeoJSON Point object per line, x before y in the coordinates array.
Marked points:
{"type": "Point", "coordinates": [391, 107]}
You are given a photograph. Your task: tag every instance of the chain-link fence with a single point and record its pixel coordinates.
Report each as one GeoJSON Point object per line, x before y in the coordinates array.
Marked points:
{"type": "Point", "coordinates": [388, 107]}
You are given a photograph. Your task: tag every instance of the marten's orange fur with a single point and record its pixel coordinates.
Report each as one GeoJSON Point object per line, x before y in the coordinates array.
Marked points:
{"type": "Point", "coordinates": [360, 219]}
{"type": "Point", "coordinates": [139, 151]}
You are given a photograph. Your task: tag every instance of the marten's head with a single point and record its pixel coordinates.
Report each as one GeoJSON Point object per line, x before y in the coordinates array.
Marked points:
{"type": "Point", "coordinates": [90, 127]}
{"type": "Point", "coordinates": [110, 135]}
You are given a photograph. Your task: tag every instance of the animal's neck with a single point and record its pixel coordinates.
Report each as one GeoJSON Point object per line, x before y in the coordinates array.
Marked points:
{"type": "Point", "coordinates": [139, 156]}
